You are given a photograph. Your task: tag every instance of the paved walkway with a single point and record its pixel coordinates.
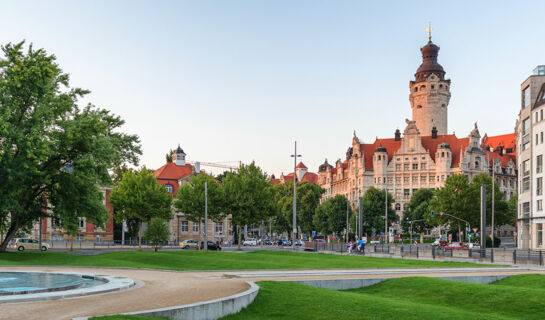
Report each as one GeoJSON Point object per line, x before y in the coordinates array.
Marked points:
{"type": "Point", "coordinates": [168, 288]}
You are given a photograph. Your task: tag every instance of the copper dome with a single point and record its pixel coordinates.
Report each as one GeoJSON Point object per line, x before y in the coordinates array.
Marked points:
{"type": "Point", "coordinates": [429, 63]}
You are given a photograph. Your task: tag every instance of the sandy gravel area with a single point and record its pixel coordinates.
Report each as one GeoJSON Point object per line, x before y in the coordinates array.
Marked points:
{"type": "Point", "coordinates": [160, 289]}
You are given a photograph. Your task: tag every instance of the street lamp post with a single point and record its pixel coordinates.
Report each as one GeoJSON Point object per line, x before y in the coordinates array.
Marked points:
{"type": "Point", "coordinates": [294, 231]}
{"type": "Point", "coordinates": [492, 224]}
{"type": "Point", "coordinates": [205, 246]}
{"type": "Point", "coordinates": [385, 212]}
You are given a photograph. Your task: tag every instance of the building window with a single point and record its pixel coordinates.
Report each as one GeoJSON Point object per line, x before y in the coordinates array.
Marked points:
{"type": "Point", "coordinates": [536, 120]}
{"type": "Point", "coordinates": [415, 179]}
{"type": "Point", "coordinates": [432, 178]}
{"type": "Point", "coordinates": [398, 206]}
{"type": "Point", "coordinates": [422, 166]}
{"type": "Point", "coordinates": [406, 166]}
{"type": "Point", "coordinates": [541, 114]}
{"type": "Point", "coordinates": [423, 179]}
{"type": "Point", "coordinates": [415, 166]}
{"type": "Point", "coordinates": [170, 188]}
{"type": "Point", "coordinates": [196, 226]}
{"type": "Point", "coordinates": [81, 223]}
{"type": "Point", "coordinates": [79, 238]}
{"type": "Point", "coordinates": [398, 167]}
{"type": "Point", "coordinates": [526, 97]}
{"type": "Point", "coordinates": [406, 179]}
{"type": "Point", "coordinates": [398, 179]}
{"type": "Point", "coordinates": [539, 205]}
{"type": "Point", "coordinates": [541, 134]}
{"type": "Point", "coordinates": [406, 192]}
{"type": "Point", "coordinates": [219, 227]}
{"type": "Point", "coordinates": [539, 163]}
{"type": "Point", "coordinates": [537, 138]}
{"type": "Point", "coordinates": [185, 226]}
{"type": "Point", "coordinates": [525, 184]}
{"type": "Point", "coordinates": [526, 167]}
{"type": "Point", "coordinates": [539, 186]}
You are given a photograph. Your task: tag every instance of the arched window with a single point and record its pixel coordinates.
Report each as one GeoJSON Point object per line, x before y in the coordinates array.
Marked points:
{"type": "Point", "coordinates": [398, 206]}
{"type": "Point", "coordinates": [418, 107]}
{"type": "Point", "coordinates": [441, 86]}
{"type": "Point", "coordinates": [415, 89]}
{"type": "Point", "coordinates": [422, 88]}
{"type": "Point", "coordinates": [443, 105]}
{"type": "Point", "coordinates": [170, 188]}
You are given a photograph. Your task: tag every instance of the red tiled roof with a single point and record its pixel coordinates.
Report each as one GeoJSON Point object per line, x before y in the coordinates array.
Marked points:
{"type": "Point", "coordinates": [505, 140]}
{"type": "Point", "coordinates": [430, 144]}
{"type": "Point", "coordinates": [309, 177]}
{"type": "Point", "coordinates": [301, 165]}
{"type": "Point", "coordinates": [172, 171]}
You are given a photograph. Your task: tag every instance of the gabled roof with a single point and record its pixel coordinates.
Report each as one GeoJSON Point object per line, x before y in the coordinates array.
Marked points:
{"type": "Point", "coordinates": [173, 172]}
{"type": "Point", "coordinates": [507, 141]}
{"type": "Point", "coordinates": [429, 143]}
{"type": "Point", "coordinates": [309, 177]}
{"type": "Point", "coordinates": [301, 165]}
{"type": "Point", "coordinates": [503, 158]}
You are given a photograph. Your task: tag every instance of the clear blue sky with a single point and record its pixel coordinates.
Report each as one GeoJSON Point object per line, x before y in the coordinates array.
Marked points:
{"type": "Point", "coordinates": [241, 80]}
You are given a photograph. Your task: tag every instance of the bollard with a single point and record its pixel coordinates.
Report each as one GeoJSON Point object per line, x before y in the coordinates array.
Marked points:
{"type": "Point", "coordinates": [515, 256]}
{"type": "Point", "coordinates": [540, 257]}
{"type": "Point", "coordinates": [492, 254]}
{"type": "Point", "coordinates": [416, 252]}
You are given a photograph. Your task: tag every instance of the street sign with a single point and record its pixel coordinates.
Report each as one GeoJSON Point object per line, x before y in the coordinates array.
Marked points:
{"type": "Point", "coordinates": [468, 229]}
{"type": "Point", "coordinates": [475, 230]}
{"type": "Point", "coordinates": [313, 234]}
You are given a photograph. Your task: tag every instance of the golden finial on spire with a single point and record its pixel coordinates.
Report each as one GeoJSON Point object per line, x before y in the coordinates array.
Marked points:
{"type": "Point", "coordinates": [428, 29]}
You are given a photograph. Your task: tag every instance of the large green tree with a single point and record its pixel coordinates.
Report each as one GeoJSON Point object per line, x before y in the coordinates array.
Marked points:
{"type": "Point", "coordinates": [140, 196]}
{"type": "Point", "coordinates": [461, 198]}
{"type": "Point", "coordinates": [190, 200]}
{"type": "Point", "coordinates": [49, 146]}
{"type": "Point", "coordinates": [416, 217]}
{"type": "Point", "coordinates": [249, 196]}
{"type": "Point", "coordinates": [374, 210]}
{"type": "Point", "coordinates": [330, 216]}
{"type": "Point", "coordinates": [308, 199]}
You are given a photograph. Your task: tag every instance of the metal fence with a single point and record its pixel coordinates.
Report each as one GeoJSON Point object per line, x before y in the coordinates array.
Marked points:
{"type": "Point", "coordinates": [499, 255]}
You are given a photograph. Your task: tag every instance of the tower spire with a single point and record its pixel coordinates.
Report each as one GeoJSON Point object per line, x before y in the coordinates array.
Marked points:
{"type": "Point", "coordinates": [428, 29]}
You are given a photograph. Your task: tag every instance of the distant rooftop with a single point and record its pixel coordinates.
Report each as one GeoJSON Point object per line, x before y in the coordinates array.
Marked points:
{"type": "Point", "coordinates": [539, 70]}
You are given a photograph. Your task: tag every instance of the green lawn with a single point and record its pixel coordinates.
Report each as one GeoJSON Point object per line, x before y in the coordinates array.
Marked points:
{"type": "Point", "coordinates": [518, 297]}
{"type": "Point", "coordinates": [194, 260]}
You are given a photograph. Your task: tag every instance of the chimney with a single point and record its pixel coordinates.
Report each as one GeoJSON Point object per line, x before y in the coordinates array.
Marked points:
{"type": "Point", "coordinates": [434, 132]}
{"type": "Point", "coordinates": [397, 135]}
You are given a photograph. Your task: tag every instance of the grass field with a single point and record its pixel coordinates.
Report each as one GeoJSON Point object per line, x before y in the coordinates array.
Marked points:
{"type": "Point", "coordinates": [518, 297]}
{"type": "Point", "coordinates": [194, 260]}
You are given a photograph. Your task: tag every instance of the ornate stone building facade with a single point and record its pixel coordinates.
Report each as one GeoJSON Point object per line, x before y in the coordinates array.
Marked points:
{"type": "Point", "coordinates": [425, 155]}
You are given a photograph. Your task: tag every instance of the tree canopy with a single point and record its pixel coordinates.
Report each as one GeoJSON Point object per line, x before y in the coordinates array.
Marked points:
{"type": "Point", "coordinates": [308, 199]}
{"type": "Point", "coordinates": [374, 209]}
{"type": "Point", "coordinates": [140, 196]}
{"type": "Point", "coordinates": [330, 216]}
{"type": "Point", "coordinates": [51, 150]}
{"type": "Point", "coordinates": [249, 196]}
{"type": "Point", "coordinates": [190, 200]}
{"type": "Point", "coordinates": [418, 208]}
{"type": "Point", "coordinates": [461, 198]}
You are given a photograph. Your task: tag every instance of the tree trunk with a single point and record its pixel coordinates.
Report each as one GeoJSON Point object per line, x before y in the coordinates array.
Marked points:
{"type": "Point", "coordinates": [239, 238]}
{"type": "Point", "coordinates": [421, 237]}
{"type": "Point", "coordinates": [9, 235]}
{"type": "Point", "coordinates": [140, 237]}
{"type": "Point", "coordinates": [71, 242]}
{"type": "Point", "coordinates": [156, 246]}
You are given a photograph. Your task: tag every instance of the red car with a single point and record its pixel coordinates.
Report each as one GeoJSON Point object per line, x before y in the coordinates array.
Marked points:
{"type": "Point", "coordinates": [319, 240]}
{"type": "Point", "coordinates": [454, 246]}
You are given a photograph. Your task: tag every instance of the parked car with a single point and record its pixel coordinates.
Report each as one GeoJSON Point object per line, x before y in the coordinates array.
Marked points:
{"type": "Point", "coordinates": [439, 243]}
{"type": "Point", "coordinates": [187, 244]}
{"type": "Point", "coordinates": [211, 246]}
{"type": "Point", "coordinates": [319, 240]}
{"type": "Point", "coordinates": [286, 243]}
{"type": "Point", "coordinates": [266, 242]}
{"type": "Point", "coordinates": [29, 244]}
{"type": "Point", "coordinates": [454, 246]}
{"type": "Point", "coordinates": [298, 242]}
{"type": "Point", "coordinates": [250, 242]}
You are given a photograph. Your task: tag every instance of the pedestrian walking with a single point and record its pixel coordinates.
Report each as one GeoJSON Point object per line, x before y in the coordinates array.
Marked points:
{"type": "Point", "coordinates": [350, 245]}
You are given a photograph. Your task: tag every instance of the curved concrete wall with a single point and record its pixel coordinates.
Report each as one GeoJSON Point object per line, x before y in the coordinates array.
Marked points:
{"type": "Point", "coordinates": [207, 310]}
